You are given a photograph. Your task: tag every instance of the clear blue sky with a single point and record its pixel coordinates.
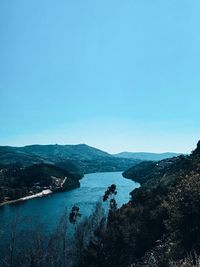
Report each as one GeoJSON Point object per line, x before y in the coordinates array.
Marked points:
{"type": "Point", "coordinates": [118, 75]}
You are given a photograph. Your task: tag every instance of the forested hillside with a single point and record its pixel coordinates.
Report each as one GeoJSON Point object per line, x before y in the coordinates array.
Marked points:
{"type": "Point", "coordinates": [160, 226]}
{"type": "Point", "coordinates": [17, 182]}
{"type": "Point", "coordinates": [74, 158]}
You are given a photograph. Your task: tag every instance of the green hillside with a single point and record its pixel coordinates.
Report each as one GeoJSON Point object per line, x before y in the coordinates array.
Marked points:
{"type": "Point", "coordinates": [74, 158]}
{"type": "Point", "coordinates": [160, 225]}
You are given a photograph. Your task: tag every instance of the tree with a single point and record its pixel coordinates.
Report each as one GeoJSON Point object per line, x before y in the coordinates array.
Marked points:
{"type": "Point", "coordinates": [110, 193]}
{"type": "Point", "coordinates": [74, 214]}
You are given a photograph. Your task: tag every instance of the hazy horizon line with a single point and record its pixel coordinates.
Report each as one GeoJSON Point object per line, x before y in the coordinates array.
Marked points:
{"type": "Point", "coordinates": [112, 153]}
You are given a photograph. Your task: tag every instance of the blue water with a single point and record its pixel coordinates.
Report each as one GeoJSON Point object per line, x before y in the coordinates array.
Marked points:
{"type": "Point", "coordinates": [47, 210]}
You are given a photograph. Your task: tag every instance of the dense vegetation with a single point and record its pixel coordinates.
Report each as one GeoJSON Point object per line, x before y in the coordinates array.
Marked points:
{"type": "Point", "coordinates": [17, 181]}
{"type": "Point", "coordinates": [74, 158]}
{"type": "Point", "coordinates": [141, 172]}
{"type": "Point", "coordinates": [160, 225]}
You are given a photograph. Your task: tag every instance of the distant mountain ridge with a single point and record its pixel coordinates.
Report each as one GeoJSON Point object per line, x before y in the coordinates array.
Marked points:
{"type": "Point", "coordinates": [54, 152]}
{"type": "Point", "coordinates": [145, 156]}
{"type": "Point", "coordinates": [80, 158]}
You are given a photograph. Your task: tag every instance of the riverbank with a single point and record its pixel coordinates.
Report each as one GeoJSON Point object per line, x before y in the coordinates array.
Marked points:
{"type": "Point", "coordinates": [40, 194]}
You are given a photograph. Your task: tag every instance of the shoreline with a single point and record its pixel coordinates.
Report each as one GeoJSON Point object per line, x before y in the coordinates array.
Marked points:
{"type": "Point", "coordinates": [40, 194]}
{"type": "Point", "coordinates": [46, 192]}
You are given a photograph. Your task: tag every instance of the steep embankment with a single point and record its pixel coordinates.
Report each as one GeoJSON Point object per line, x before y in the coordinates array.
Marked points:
{"type": "Point", "coordinates": [160, 225]}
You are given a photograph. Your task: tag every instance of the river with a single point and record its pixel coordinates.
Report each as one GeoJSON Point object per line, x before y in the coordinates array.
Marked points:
{"type": "Point", "coordinates": [47, 210]}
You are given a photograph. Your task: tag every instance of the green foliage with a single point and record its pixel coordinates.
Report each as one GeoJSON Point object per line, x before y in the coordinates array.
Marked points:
{"type": "Point", "coordinates": [159, 227]}
{"type": "Point", "coordinates": [110, 192]}
{"type": "Point", "coordinates": [183, 222]}
{"type": "Point", "coordinates": [16, 182]}
{"type": "Point", "coordinates": [140, 173]}
{"type": "Point", "coordinates": [76, 159]}
{"type": "Point", "coordinates": [166, 209]}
